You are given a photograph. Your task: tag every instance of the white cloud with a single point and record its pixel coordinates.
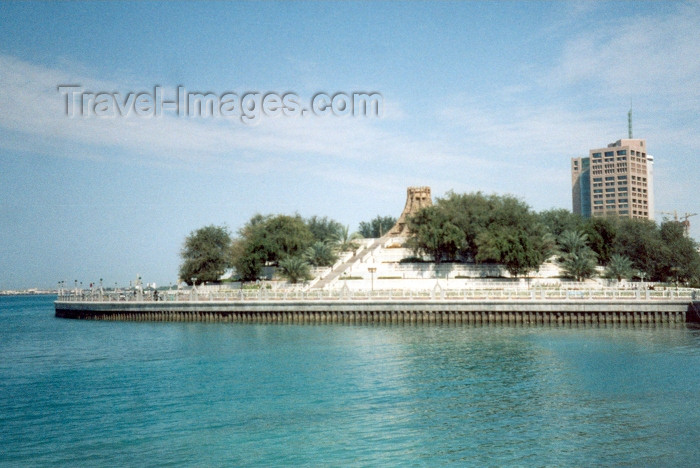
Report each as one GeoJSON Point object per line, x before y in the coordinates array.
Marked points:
{"type": "Point", "coordinates": [34, 120]}
{"type": "Point", "coordinates": [526, 130]}
{"type": "Point", "coordinates": [581, 100]}
{"type": "Point", "coordinates": [637, 56]}
{"type": "Point", "coordinates": [476, 142]}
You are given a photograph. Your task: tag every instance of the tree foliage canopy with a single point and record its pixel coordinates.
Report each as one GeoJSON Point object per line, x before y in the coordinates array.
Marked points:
{"type": "Point", "coordinates": [640, 241]}
{"type": "Point", "coordinates": [619, 267]}
{"type": "Point", "coordinates": [481, 228]}
{"type": "Point", "coordinates": [464, 227]}
{"type": "Point", "coordinates": [377, 227]}
{"type": "Point", "coordinates": [267, 240]}
{"type": "Point", "coordinates": [324, 229]}
{"type": "Point", "coordinates": [519, 251]}
{"type": "Point", "coordinates": [471, 213]}
{"type": "Point", "coordinates": [602, 233]}
{"type": "Point", "coordinates": [514, 236]}
{"type": "Point", "coordinates": [346, 240]}
{"type": "Point", "coordinates": [205, 254]}
{"type": "Point", "coordinates": [321, 254]}
{"type": "Point", "coordinates": [434, 235]}
{"type": "Point", "coordinates": [577, 259]}
{"type": "Point", "coordinates": [558, 220]}
{"type": "Point", "coordinates": [682, 261]}
{"type": "Point", "coordinates": [295, 269]}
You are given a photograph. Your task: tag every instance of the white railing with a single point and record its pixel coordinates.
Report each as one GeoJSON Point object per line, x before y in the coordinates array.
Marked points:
{"type": "Point", "coordinates": [437, 293]}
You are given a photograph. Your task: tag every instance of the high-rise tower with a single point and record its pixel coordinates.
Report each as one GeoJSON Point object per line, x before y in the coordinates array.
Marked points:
{"type": "Point", "coordinates": [614, 181]}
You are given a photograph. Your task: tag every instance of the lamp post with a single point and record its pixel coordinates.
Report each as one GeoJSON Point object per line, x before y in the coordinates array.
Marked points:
{"type": "Point", "coordinates": [193, 291]}
{"type": "Point", "coordinates": [372, 270]}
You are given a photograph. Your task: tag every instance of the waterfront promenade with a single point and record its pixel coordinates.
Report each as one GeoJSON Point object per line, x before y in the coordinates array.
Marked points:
{"type": "Point", "coordinates": [537, 306]}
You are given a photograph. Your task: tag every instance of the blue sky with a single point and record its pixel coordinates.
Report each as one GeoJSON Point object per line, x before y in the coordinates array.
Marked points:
{"type": "Point", "coordinates": [490, 96]}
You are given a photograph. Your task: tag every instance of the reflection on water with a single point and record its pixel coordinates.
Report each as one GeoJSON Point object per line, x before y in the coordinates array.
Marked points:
{"type": "Point", "coordinates": [75, 392]}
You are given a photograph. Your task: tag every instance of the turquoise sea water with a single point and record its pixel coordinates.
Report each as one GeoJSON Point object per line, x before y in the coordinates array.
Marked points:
{"type": "Point", "coordinates": [82, 393]}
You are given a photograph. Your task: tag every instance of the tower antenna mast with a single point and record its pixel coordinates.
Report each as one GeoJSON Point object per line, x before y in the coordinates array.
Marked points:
{"type": "Point", "coordinates": [629, 121]}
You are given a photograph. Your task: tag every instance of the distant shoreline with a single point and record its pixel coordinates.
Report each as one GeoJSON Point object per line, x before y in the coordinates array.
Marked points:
{"type": "Point", "coordinates": [29, 293]}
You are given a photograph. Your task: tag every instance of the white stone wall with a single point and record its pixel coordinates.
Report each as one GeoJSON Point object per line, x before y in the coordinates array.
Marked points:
{"type": "Point", "coordinates": [445, 270]}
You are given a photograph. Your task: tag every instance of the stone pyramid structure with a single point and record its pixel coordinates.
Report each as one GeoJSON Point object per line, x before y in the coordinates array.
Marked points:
{"type": "Point", "coordinates": [416, 198]}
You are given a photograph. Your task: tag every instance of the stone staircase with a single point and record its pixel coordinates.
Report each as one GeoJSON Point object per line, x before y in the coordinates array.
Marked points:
{"type": "Point", "coordinates": [340, 269]}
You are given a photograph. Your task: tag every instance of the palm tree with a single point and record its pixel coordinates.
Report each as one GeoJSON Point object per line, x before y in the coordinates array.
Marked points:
{"type": "Point", "coordinates": [580, 265]}
{"type": "Point", "coordinates": [320, 254]}
{"type": "Point", "coordinates": [619, 267]}
{"type": "Point", "coordinates": [294, 269]}
{"type": "Point", "coordinates": [572, 241]}
{"type": "Point", "coordinates": [577, 259]}
{"type": "Point", "coordinates": [344, 240]}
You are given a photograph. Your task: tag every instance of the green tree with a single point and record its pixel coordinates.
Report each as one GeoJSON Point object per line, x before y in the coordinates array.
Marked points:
{"type": "Point", "coordinates": [579, 265]}
{"type": "Point", "coordinates": [482, 228]}
{"type": "Point", "coordinates": [345, 241]}
{"type": "Point", "coordinates": [285, 236]}
{"type": "Point", "coordinates": [572, 241]}
{"type": "Point", "coordinates": [248, 258]}
{"type": "Point", "coordinates": [324, 229]}
{"type": "Point", "coordinates": [472, 213]}
{"type": "Point", "coordinates": [320, 254]}
{"type": "Point", "coordinates": [577, 259]}
{"type": "Point", "coordinates": [376, 227]}
{"type": "Point", "coordinates": [558, 220]}
{"type": "Point", "coordinates": [662, 253]}
{"type": "Point", "coordinates": [294, 269]}
{"type": "Point", "coordinates": [602, 234]}
{"type": "Point", "coordinates": [514, 247]}
{"type": "Point", "coordinates": [682, 261]}
{"type": "Point", "coordinates": [513, 236]}
{"type": "Point", "coordinates": [640, 241]}
{"type": "Point", "coordinates": [434, 235]}
{"type": "Point", "coordinates": [619, 267]}
{"type": "Point", "coordinates": [265, 240]}
{"type": "Point", "coordinates": [205, 254]}
{"type": "Point", "coordinates": [497, 227]}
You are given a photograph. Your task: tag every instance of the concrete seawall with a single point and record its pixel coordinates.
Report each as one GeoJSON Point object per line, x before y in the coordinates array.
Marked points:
{"type": "Point", "coordinates": [529, 312]}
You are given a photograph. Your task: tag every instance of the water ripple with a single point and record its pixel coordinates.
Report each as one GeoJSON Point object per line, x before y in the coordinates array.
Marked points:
{"type": "Point", "coordinates": [176, 394]}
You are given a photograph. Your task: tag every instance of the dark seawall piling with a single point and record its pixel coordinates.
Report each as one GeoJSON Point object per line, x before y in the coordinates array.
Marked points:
{"type": "Point", "coordinates": [526, 312]}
